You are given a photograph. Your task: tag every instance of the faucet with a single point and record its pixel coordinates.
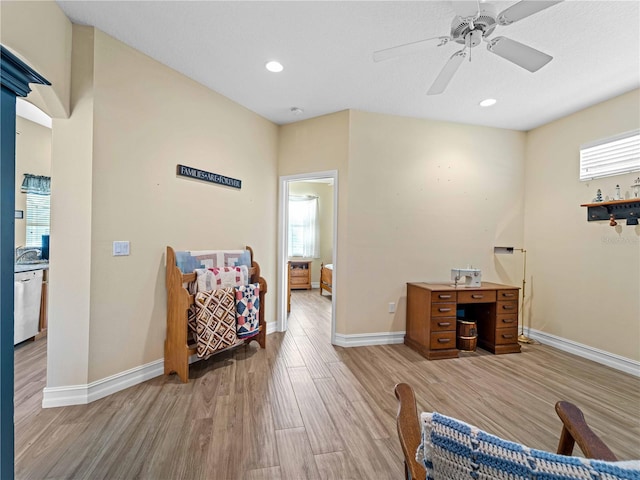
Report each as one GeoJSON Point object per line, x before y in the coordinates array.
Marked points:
{"type": "Point", "coordinates": [32, 252]}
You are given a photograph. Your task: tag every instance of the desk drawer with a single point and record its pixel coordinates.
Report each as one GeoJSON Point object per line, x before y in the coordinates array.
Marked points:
{"type": "Point", "coordinates": [443, 296]}
{"type": "Point", "coordinates": [299, 272]}
{"type": "Point", "coordinates": [443, 324]}
{"type": "Point", "coordinates": [507, 294]}
{"type": "Point", "coordinates": [508, 306]}
{"type": "Point", "coordinates": [507, 335]}
{"type": "Point", "coordinates": [443, 310]}
{"type": "Point", "coordinates": [507, 320]}
{"type": "Point", "coordinates": [477, 296]}
{"type": "Point", "coordinates": [443, 340]}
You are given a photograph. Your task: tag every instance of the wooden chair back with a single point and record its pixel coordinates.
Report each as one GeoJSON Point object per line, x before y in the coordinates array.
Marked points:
{"type": "Point", "coordinates": [574, 431]}
{"type": "Point", "coordinates": [409, 431]}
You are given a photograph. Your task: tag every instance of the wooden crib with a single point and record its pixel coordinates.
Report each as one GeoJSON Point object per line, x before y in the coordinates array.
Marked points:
{"type": "Point", "coordinates": [180, 344]}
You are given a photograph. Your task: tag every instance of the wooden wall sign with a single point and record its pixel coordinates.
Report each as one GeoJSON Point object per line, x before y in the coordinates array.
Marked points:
{"type": "Point", "coordinates": [191, 172]}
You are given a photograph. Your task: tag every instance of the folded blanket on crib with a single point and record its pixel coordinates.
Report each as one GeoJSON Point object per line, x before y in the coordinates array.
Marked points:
{"type": "Point", "coordinates": [215, 321]}
{"type": "Point", "coordinates": [222, 277]}
{"type": "Point", "coordinates": [208, 279]}
{"type": "Point", "coordinates": [188, 261]}
{"type": "Point", "coordinates": [224, 317]}
{"type": "Point", "coordinates": [248, 310]}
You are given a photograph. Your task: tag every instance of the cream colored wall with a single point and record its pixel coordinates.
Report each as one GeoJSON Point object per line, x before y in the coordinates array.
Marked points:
{"type": "Point", "coordinates": [40, 34]}
{"type": "Point", "coordinates": [416, 194]}
{"type": "Point", "coordinates": [585, 276]}
{"type": "Point", "coordinates": [71, 202]}
{"type": "Point", "coordinates": [147, 119]}
{"type": "Point", "coordinates": [316, 145]}
{"type": "Point", "coordinates": [33, 155]}
{"type": "Point", "coordinates": [424, 197]}
{"type": "Point", "coordinates": [324, 192]}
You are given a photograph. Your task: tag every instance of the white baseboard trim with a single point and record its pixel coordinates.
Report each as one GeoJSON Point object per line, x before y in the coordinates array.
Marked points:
{"type": "Point", "coordinates": [609, 359]}
{"type": "Point", "coordinates": [365, 339]}
{"type": "Point", "coordinates": [315, 284]}
{"type": "Point", "coordinates": [83, 394]}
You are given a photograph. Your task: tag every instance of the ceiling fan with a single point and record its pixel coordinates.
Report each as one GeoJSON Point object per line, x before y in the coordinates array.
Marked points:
{"type": "Point", "coordinates": [474, 22]}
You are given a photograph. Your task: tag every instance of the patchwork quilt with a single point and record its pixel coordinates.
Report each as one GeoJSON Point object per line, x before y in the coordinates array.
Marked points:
{"type": "Point", "coordinates": [188, 261]}
{"type": "Point", "coordinates": [247, 310]}
{"type": "Point", "coordinates": [221, 277]}
{"type": "Point", "coordinates": [215, 321]}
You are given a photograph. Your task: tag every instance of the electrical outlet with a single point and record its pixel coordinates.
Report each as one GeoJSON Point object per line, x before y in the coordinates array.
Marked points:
{"type": "Point", "coordinates": [392, 307]}
{"type": "Point", "coordinates": [121, 248]}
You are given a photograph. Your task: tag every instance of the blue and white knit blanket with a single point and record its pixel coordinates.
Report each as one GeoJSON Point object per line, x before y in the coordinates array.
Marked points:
{"type": "Point", "coordinates": [454, 450]}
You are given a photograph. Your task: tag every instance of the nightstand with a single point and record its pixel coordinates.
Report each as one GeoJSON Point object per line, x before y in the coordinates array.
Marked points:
{"type": "Point", "coordinates": [298, 277]}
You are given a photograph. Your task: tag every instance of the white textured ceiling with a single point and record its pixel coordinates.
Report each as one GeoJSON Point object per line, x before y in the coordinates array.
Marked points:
{"type": "Point", "coordinates": [326, 50]}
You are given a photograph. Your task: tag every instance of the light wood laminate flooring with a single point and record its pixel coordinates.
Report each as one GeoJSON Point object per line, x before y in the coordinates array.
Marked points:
{"type": "Point", "coordinates": [303, 409]}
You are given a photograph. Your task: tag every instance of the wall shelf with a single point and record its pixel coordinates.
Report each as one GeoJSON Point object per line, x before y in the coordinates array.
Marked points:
{"type": "Point", "coordinates": [620, 209]}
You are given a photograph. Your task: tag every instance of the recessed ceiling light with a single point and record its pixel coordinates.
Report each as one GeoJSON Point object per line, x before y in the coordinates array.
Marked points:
{"type": "Point", "coordinates": [274, 66]}
{"type": "Point", "coordinates": [488, 102]}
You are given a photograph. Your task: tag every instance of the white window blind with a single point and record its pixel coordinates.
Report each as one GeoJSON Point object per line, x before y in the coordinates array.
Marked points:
{"type": "Point", "coordinates": [38, 208]}
{"type": "Point", "coordinates": [610, 156]}
{"type": "Point", "coordinates": [304, 228]}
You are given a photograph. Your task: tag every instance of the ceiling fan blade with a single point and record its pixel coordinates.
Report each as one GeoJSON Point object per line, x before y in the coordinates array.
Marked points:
{"type": "Point", "coordinates": [523, 9]}
{"type": "Point", "coordinates": [522, 55]}
{"type": "Point", "coordinates": [407, 48]}
{"type": "Point", "coordinates": [447, 73]}
{"type": "Point", "coordinates": [465, 8]}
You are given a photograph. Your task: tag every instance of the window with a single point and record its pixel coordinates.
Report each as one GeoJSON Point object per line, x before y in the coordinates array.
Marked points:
{"type": "Point", "coordinates": [610, 156]}
{"type": "Point", "coordinates": [38, 207]}
{"type": "Point", "coordinates": [304, 231]}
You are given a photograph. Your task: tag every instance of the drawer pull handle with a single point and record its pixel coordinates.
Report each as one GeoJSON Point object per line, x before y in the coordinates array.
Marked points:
{"type": "Point", "coordinates": [508, 307]}
{"type": "Point", "coordinates": [444, 297]}
{"type": "Point", "coordinates": [508, 320]}
{"type": "Point", "coordinates": [443, 340]}
{"type": "Point", "coordinates": [477, 295]}
{"type": "Point", "coordinates": [507, 335]}
{"type": "Point", "coordinates": [508, 295]}
{"type": "Point", "coordinates": [444, 309]}
{"type": "Point", "coordinates": [444, 324]}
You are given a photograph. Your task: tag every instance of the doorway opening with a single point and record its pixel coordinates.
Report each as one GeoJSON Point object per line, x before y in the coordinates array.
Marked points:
{"type": "Point", "coordinates": [305, 187]}
{"type": "Point", "coordinates": [32, 221]}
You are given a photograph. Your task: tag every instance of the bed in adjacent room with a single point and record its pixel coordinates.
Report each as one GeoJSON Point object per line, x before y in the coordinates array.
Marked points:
{"type": "Point", "coordinates": [326, 277]}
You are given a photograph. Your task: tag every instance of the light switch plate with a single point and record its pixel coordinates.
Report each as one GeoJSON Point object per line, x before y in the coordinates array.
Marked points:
{"type": "Point", "coordinates": [121, 248]}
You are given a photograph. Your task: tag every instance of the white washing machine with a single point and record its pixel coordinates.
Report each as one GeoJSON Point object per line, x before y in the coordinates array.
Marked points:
{"type": "Point", "coordinates": [26, 308]}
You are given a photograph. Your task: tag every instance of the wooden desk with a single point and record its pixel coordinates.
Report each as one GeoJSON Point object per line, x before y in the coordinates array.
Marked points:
{"type": "Point", "coordinates": [298, 277]}
{"type": "Point", "coordinates": [432, 310]}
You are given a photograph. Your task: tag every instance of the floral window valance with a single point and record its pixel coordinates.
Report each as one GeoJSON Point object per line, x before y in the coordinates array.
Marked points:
{"type": "Point", "coordinates": [38, 184]}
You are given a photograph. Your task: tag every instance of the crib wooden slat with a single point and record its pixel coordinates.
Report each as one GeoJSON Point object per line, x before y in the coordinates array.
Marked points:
{"type": "Point", "coordinates": [188, 277]}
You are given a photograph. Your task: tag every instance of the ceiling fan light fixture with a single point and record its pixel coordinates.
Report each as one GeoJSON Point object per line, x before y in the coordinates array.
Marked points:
{"type": "Point", "coordinates": [488, 102]}
{"type": "Point", "coordinates": [274, 66]}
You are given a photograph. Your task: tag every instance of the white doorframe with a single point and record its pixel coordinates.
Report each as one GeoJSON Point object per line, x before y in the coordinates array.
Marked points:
{"type": "Point", "coordinates": [282, 256]}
